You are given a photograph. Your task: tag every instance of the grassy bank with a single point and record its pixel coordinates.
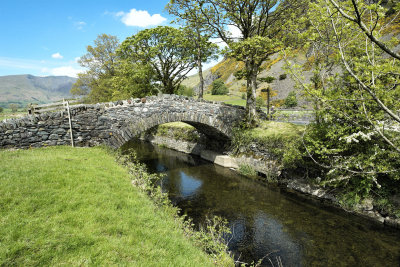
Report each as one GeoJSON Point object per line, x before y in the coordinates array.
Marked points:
{"type": "Point", "coordinates": [8, 114]}
{"type": "Point", "coordinates": [60, 205]}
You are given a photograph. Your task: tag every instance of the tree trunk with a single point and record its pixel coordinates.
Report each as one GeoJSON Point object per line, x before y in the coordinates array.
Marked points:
{"type": "Point", "coordinates": [251, 87]}
{"type": "Point", "coordinates": [200, 66]}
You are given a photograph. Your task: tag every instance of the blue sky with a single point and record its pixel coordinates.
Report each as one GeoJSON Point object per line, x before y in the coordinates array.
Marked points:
{"type": "Point", "coordinates": [47, 37]}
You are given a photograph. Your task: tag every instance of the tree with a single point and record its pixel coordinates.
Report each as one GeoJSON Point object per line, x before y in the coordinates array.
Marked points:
{"type": "Point", "coordinates": [132, 80]}
{"type": "Point", "coordinates": [1, 109]}
{"type": "Point", "coordinates": [166, 50]}
{"type": "Point", "coordinates": [291, 100]}
{"type": "Point", "coordinates": [356, 85]}
{"type": "Point", "coordinates": [259, 24]}
{"type": "Point", "coordinates": [197, 31]}
{"type": "Point", "coordinates": [14, 107]}
{"type": "Point", "coordinates": [219, 87]}
{"type": "Point", "coordinates": [100, 61]}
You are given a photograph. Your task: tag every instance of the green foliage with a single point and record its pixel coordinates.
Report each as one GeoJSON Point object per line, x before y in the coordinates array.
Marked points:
{"type": "Point", "coordinates": [168, 50]}
{"type": "Point", "coordinates": [260, 102]}
{"type": "Point", "coordinates": [281, 140]}
{"type": "Point", "coordinates": [184, 90]}
{"type": "Point", "coordinates": [133, 80]}
{"type": "Point", "coordinates": [282, 76]}
{"type": "Point", "coordinates": [291, 100]}
{"type": "Point", "coordinates": [243, 96]}
{"type": "Point", "coordinates": [100, 61]}
{"type": "Point", "coordinates": [355, 138]}
{"type": "Point", "coordinates": [1, 109]}
{"type": "Point", "coordinates": [13, 107]}
{"type": "Point", "coordinates": [268, 79]}
{"type": "Point", "coordinates": [218, 87]}
{"type": "Point", "coordinates": [247, 170]}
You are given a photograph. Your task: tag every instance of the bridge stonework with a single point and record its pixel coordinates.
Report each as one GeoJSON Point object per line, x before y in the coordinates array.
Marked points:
{"type": "Point", "coordinates": [114, 125]}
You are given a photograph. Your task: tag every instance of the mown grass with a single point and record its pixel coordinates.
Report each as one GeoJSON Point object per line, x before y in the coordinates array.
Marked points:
{"type": "Point", "coordinates": [66, 206]}
{"type": "Point", "coordinates": [228, 99]}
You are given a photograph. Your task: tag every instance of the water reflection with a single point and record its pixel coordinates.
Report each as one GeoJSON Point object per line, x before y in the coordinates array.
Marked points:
{"type": "Point", "coordinates": [267, 221]}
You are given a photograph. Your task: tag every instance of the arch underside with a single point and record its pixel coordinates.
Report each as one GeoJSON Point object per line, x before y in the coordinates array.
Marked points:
{"type": "Point", "coordinates": [212, 127]}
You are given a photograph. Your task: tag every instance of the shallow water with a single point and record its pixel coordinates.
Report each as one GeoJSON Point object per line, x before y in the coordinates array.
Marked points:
{"type": "Point", "coordinates": [267, 220]}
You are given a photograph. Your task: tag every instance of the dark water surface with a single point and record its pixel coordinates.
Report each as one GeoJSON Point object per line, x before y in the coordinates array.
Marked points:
{"type": "Point", "coordinates": [267, 220]}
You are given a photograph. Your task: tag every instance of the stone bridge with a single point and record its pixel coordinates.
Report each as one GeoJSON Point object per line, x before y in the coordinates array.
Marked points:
{"type": "Point", "coordinates": [114, 124]}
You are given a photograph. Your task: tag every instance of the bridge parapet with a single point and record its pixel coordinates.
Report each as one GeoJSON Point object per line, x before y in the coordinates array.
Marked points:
{"type": "Point", "coordinates": [116, 123]}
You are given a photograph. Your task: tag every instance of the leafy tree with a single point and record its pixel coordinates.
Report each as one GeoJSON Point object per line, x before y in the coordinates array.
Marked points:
{"type": "Point", "coordinates": [1, 109]}
{"type": "Point", "coordinates": [132, 80]}
{"type": "Point", "coordinates": [166, 49]}
{"type": "Point", "coordinates": [218, 87]}
{"type": "Point", "coordinates": [197, 31]}
{"type": "Point", "coordinates": [259, 23]}
{"type": "Point", "coordinates": [355, 139]}
{"type": "Point", "coordinates": [100, 61]}
{"type": "Point", "coordinates": [14, 107]}
{"type": "Point", "coordinates": [184, 90]}
{"type": "Point", "coordinates": [291, 100]}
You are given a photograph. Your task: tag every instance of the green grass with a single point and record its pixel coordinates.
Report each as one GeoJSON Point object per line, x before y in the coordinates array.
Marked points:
{"type": "Point", "coordinates": [8, 114]}
{"type": "Point", "coordinates": [228, 99]}
{"type": "Point", "coordinates": [268, 129]}
{"type": "Point", "coordinates": [66, 206]}
{"type": "Point", "coordinates": [178, 124]}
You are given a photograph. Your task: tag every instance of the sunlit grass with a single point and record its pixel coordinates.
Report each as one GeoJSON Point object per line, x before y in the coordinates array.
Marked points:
{"type": "Point", "coordinates": [229, 99]}
{"type": "Point", "coordinates": [66, 206]}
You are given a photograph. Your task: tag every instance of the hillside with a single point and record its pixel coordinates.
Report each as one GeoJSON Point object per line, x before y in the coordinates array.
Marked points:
{"type": "Point", "coordinates": [24, 89]}
{"type": "Point", "coordinates": [225, 70]}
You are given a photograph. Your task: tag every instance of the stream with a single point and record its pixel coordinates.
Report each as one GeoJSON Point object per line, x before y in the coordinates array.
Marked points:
{"type": "Point", "coordinates": [267, 221]}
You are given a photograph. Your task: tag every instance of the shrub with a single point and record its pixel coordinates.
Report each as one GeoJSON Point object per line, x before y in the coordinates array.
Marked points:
{"type": "Point", "coordinates": [291, 100]}
{"type": "Point", "coordinates": [184, 90]}
{"type": "Point", "coordinates": [1, 109]}
{"type": "Point", "coordinates": [269, 79]}
{"type": "Point", "coordinates": [219, 88]}
{"type": "Point", "coordinates": [14, 107]}
{"type": "Point", "coordinates": [282, 76]}
{"type": "Point", "coordinates": [243, 96]}
{"type": "Point", "coordinates": [260, 102]}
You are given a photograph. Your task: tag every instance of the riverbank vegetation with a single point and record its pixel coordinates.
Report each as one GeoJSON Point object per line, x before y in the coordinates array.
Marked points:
{"type": "Point", "coordinates": [282, 141]}
{"type": "Point", "coordinates": [77, 206]}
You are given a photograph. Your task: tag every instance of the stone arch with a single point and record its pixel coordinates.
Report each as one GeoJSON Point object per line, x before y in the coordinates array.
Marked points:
{"type": "Point", "coordinates": [211, 126]}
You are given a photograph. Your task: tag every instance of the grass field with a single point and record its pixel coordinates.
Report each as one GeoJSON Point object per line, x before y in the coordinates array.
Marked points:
{"type": "Point", "coordinates": [66, 206]}
{"type": "Point", "coordinates": [8, 114]}
{"type": "Point", "coordinates": [229, 99]}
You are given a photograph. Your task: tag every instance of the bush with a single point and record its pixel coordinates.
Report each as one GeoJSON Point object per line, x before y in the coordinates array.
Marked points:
{"type": "Point", "coordinates": [184, 90]}
{"type": "Point", "coordinates": [1, 109]}
{"type": "Point", "coordinates": [282, 76]}
{"type": "Point", "coordinates": [219, 88]}
{"type": "Point", "coordinates": [291, 100]}
{"type": "Point", "coordinates": [260, 102]}
{"type": "Point", "coordinates": [14, 107]}
{"type": "Point", "coordinates": [269, 79]}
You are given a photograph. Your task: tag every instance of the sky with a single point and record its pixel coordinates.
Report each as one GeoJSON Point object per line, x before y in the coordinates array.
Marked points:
{"type": "Point", "coordinates": [45, 37]}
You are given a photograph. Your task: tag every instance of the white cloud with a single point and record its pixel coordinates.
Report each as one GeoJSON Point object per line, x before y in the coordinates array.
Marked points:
{"type": "Point", "coordinates": [57, 56]}
{"type": "Point", "coordinates": [79, 24]}
{"type": "Point", "coordinates": [63, 71]}
{"type": "Point", "coordinates": [140, 18]}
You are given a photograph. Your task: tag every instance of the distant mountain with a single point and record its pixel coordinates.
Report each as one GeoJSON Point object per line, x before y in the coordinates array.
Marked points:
{"type": "Point", "coordinates": [25, 89]}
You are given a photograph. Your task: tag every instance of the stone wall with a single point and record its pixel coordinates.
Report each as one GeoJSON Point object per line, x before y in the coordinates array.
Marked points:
{"type": "Point", "coordinates": [116, 123]}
